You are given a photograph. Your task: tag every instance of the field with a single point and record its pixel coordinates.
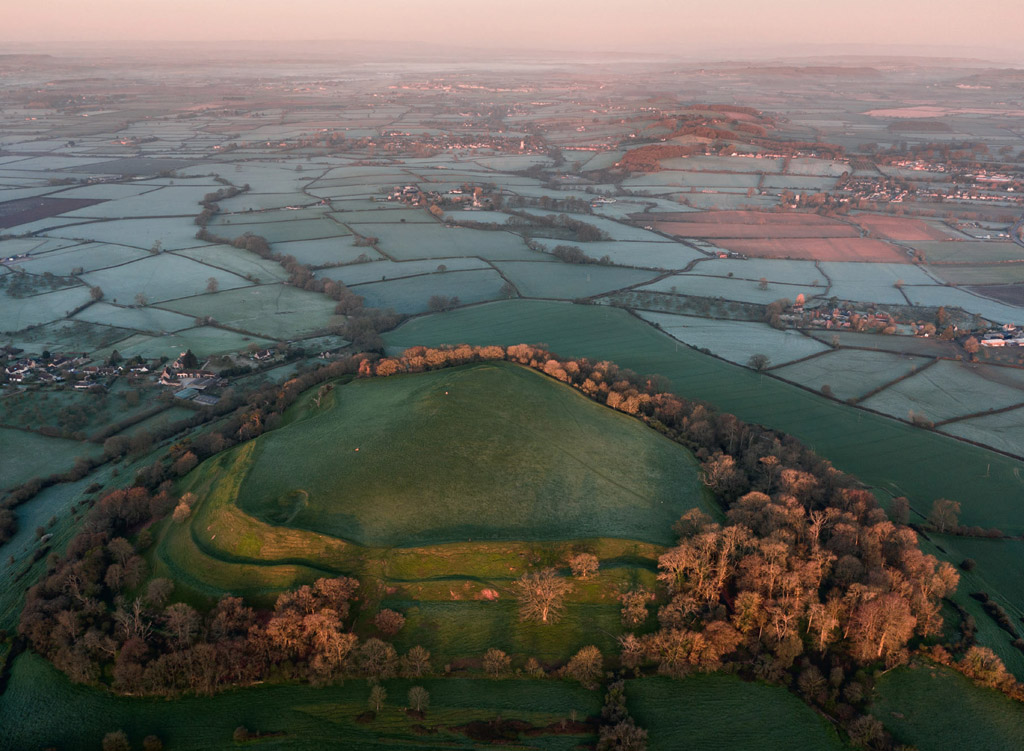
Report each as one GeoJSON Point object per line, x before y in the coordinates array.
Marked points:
{"type": "Point", "coordinates": [930, 708]}
{"type": "Point", "coordinates": [27, 455]}
{"type": "Point", "coordinates": [159, 278]}
{"type": "Point", "coordinates": [970, 252]}
{"type": "Point", "coordinates": [948, 390]}
{"type": "Point", "coordinates": [412, 294]}
{"type": "Point", "coordinates": [274, 310]}
{"type": "Point", "coordinates": [899, 228]}
{"type": "Point", "coordinates": [736, 341]}
{"type": "Point", "coordinates": [306, 717]}
{"type": "Point", "coordinates": [17, 313]}
{"type": "Point", "coordinates": [1003, 431]}
{"type": "Point", "coordinates": [850, 373]}
{"type": "Point", "coordinates": [860, 249]}
{"type": "Point", "coordinates": [692, 714]}
{"type": "Point", "coordinates": [476, 488]}
{"type": "Point", "coordinates": [568, 281]}
{"type": "Point", "coordinates": [405, 242]}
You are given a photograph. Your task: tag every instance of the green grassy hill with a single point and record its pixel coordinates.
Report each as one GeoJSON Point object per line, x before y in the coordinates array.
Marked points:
{"type": "Point", "coordinates": [486, 452]}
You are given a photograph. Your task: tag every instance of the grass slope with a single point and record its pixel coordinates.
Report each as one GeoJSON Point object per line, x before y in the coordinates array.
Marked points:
{"type": "Point", "coordinates": [722, 712]}
{"type": "Point", "coordinates": [936, 709]}
{"type": "Point", "coordinates": [484, 452]}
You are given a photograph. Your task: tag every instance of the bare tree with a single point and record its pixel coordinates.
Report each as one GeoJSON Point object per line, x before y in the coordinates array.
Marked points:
{"type": "Point", "coordinates": [541, 595]}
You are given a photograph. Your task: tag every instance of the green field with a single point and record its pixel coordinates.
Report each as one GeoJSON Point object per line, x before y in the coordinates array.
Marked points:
{"type": "Point", "coordinates": [936, 709]}
{"type": "Point", "coordinates": [888, 455]}
{"type": "Point", "coordinates": [25, 455]}
{"type": "Point", "coordinates": [712, 712]}
{"type": "Point", "coordinates": [306, 717]}
{"type": "Point", "coordinates": [485, 452]}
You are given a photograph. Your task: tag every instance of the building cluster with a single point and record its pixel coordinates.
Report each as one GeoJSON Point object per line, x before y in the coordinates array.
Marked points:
{"type": "Point", "coordinates": [50, 370]}
{"type": "Point", "coordinates": [1007, 335]}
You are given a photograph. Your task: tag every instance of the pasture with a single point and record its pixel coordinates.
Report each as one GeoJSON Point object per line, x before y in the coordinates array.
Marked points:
{"type": "Point", "coordinates": [929, 707]}
{"type": "Point", "coordinates": [406, 242]}
{"type": "Point", "coordinates": [158, 278]}
{"type": "Point", "coordinates": [712, 712]}
{"type": "Point", "coordinates": [569, 281]}
{"type": "Point", "coordinates": [850, 373]}
{"type": "Point", "coordinates": [17, 313]}
{"type": "Point", "coordinates": [948, 390]}
{"type": "Point", "coordinates": [412, 294]}
{"type": "Point", "coordinates": [276, 311]}
{"type": "Point", "coordinates": [736, 341]}
{"type": "Point", "coordinates": [306, 717]}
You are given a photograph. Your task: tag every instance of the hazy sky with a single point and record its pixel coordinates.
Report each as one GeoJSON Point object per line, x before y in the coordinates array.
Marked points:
{"type": "Point", "coordinates": [737, 26]}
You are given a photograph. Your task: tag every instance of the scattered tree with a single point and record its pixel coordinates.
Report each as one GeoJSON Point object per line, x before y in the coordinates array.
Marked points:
{"type": "Point", "coordinates": [496, 662]}
{"type": "Point", "coordinates": [541, 595]}
{"type": "Point", "coordinates": [419, 699]}
{"type": "Point", "coordinates": [584, 565]}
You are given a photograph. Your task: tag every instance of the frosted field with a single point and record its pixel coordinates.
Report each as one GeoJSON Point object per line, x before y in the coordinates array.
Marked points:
{"type": "Point", "coordinates": [411, 241]}
{"type": "Point", "coordinates": [727, 201]}
{"type": "Point", "coordinates": [261, 201]}
{"type": "Point", "coordinates": [736, 341]}
{"type": "Point", "coordinates": [88, 257]}
{"type": "Point", "coordinates": [17, 313]}
{"type": "Point", "coordinates": [158, 278]}
{"type": "Point", "coordinates": [900, 344]}
{"type": "Point", "coordinates": [645, 255]}
{"type": "Point", "coordinates": [237, 261]}
{"type": "Point", "coordinates": [274, 310]}
{"type": "Point", "coordinates": [564, 281]}
{"type": "Point", "coordinates": [170, 201]}
{"type": "Point", "coordinates": [823, 167]}
{"type": "Point", "coordinates": [361, 273]}
{"type": "Point", "coordinates": [732, 181]}
{"type": "Point", "coordinates": [850, 373]}
{"type": "Point", "coordinates": [951, 296]}
{"type": "Point", "coordinates": [742, 290]}
{"type": "Point", "coordinates": [281, 231]}
{"type": "Point", "coordinates": [203, 341]}
{"type": "Point", "coordinates": [325, 252]}
{"type": "Point", "coordinates": [269, 216]}
{"type": "Point", "coordinates": [798, 183]}
{"type": "Point", "coordinates": [32, 245]}
{"type": "Point", "coordinates": [108, 191]}
{"type": "Point", "coordinates": [614, 230]}
{"type": "Point", "coordinates": [754, 269]}
{"type": "Point", "coordinates": [873, 282]}
{"type": "Point", "coordinates": [946, 390]}
{"type": "Point", "coordinates": [173, 234]}
{"type": "Point", "coordinates": [411, 294]}
{"type": "Point", "coordinates": [140, 319]}
{"type": "Point", "coordinates": [67, 336]}
{"type": "Point", "coordinates": [411, 216]}
{"type": "Point", "coordinates": [724, 164]}
{"type": "Point", "coordinates": [1004, 431]}
{"type": "Point", "coordinates": [261, 177]}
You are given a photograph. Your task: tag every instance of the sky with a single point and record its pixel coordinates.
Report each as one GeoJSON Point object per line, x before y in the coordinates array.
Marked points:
{"type": "Point", "coordinates": [738, 28]}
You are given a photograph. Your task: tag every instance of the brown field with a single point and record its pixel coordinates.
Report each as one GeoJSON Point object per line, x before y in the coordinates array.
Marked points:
{"type": "Point", "coordinates": [755, 231]}
{"type": "Point", "coordinates": [900, 228]}
{"type": "Point", "coordinates": [754, 225]}
{"type": "Point", "coordinates": [25, 210]}
{"type": "Point", "coordinates": [759, 218]}
{"type": "Point", "coordinates": [819, 249]}
{"type": "Point", "coordinates": [1011, 294]}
